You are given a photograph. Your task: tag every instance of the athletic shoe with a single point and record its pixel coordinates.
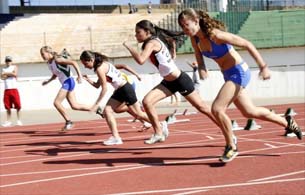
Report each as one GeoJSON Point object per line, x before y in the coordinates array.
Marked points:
{"type": "Point", "coordinates": [7, 124]}
{"type": "Point", "coordinates": [19, 123]}
{"type": "Point", "coordinates": [154, 139]}
{"type": "Point", "coordinates": [293, 127]}
{"type": "Point", "coordinates": [228, 155]}
{"type": "Point", "coordinates": [68, 125]}
{"type": "Point", "coordinates": [164, 129]}
{"type": "Point", "coordinates": [113, 141]}
{"type": "Point", "coordinates": [99, 111]}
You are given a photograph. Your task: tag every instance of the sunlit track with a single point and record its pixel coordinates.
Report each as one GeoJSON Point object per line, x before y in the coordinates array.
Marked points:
{"type": "Point", "coordinates": [33, 158]}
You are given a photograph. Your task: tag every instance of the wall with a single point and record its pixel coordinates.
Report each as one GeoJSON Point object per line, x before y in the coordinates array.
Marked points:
{"type": "Point", "coordinates": [284, 83]}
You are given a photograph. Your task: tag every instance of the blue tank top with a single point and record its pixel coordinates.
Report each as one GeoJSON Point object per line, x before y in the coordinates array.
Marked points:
{"type": "Point", "coordinates": [217, 50]}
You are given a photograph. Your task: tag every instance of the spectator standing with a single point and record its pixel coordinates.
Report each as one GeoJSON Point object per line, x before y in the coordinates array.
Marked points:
{"type": "Point", "coordinates": [11, 96]}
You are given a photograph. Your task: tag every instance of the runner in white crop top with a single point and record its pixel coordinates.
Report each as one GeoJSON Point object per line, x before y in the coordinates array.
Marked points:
{"type": "Point", "coordinates": [123, 99]}
{"type": "Point", "coordinates": [174, 80]}
{"type": "Point", "coordinates": [163, 60]}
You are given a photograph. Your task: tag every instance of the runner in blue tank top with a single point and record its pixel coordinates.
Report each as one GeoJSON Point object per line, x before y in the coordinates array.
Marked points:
{"type": "Point", "coordinates": [209, 39]}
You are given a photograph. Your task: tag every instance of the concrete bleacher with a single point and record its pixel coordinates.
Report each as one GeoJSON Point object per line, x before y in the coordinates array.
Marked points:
{"type": "Point", "coordinates": [275, 28]}
{"type": "Point", "coordinates": [268, 29]}
{"type": "Point", "coordinates": [76, 32]}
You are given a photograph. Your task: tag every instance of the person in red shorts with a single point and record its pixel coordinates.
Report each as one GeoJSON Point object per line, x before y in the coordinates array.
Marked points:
{"type": "Point", "coordinates": [11, 96]}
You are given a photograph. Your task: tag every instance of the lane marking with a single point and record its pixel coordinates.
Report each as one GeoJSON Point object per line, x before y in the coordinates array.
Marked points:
{"type": "Point", "coordinates": [277, 176]}
{"type": "Point", "coordinates": [191, 192]}
{"type": "Point", "coordinates": [211, 187]}
{"type": "Point", "coordinates": [271, 146]}
{"type": "Point", "coordinates": [209, 137]}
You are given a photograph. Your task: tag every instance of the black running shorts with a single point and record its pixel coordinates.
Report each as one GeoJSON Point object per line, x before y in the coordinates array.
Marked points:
{"type": "Point", "coordinates": [183, 84]}
{"type": "Point", "coordinates": [126, 94]}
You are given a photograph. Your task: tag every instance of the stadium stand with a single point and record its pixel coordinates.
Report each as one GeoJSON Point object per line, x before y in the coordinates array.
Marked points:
{"type": "Point", "coordinates": [6, 18]}
{"type": "Point", "coordinates": [265, 29]}
{"type": "Point", "coordinates": [268, 29]}
{"type": "Point", "coordinates": [75, 32]}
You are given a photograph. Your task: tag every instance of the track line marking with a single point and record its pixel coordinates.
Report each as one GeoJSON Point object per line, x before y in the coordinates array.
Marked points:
{"type": "Point", "coordinates": [191, 192]}
{"type": "Point", "coordinates": [209, 137]}
{"type": "Point", "coordinates": [70, 176]}
{"type": "Point", "coordinates": [277, 176]}
{"type": "Point", "coordinates": [212, 187]}
{"type": "Point", "coordinates": [271, 146]}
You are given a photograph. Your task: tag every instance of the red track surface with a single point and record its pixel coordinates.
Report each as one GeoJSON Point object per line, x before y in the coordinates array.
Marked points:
{"type": "Point", "coordinates": [37, 160]}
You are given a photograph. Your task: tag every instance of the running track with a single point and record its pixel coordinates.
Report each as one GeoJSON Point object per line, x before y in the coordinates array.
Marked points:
{"type": "Point", "coordinates": [37, 160]}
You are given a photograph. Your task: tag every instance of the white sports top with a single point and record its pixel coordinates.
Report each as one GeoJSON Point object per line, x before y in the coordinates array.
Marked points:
{"type": "Point", "coordinates": [114, 76]}
{"type": "Point", "coordinates": [163, 60]}
{"type": "Point", "coordinates": [10, 82]}
{"type": "Point", "coordinates": [62, 72]}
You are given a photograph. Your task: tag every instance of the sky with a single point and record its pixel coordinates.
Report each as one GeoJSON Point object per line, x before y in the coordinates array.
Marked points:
{"type": "Point", "coordinates": [84, 2]}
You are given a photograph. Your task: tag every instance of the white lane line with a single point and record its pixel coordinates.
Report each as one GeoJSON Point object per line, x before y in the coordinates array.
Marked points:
{"type": "Point", "coordinates": [211, 187]}
{"type": "Point", "coordinates": [191, 192]}
{"type": "Point", "coordinates": [271, 146]}
{"type": "Point", "coordinates": [131, 168]}
{"type": "Point", "coordinates": [210, 137]}
{"type": "Point", "coordinates": [71, 176]}
{"type": "Point", "coordinates": [42, 159]}
{"type": "Point", "coordinates": [64, 170]}
{"type": "Point", "coordinates": [277, 176]}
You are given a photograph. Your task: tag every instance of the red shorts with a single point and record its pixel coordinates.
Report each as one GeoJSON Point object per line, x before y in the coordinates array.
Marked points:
{"type": "Point", "coordinates": [11, 99]}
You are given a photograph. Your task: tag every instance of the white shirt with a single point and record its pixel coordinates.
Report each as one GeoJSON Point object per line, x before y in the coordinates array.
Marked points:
{"type": "Point", "coordinates": [10, 82]}
{"type": "Point", "coordinates": [163, 60]}
{"type": "Point", "coordinates": [61, 71]}
{"type": "Point", "coordinates": [114, 76]}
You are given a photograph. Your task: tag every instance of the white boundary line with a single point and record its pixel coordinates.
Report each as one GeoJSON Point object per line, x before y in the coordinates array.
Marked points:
{"type": "Point", "coordinates": [212, 187]}
{"type": "Point", "coordinates": [277, 176]}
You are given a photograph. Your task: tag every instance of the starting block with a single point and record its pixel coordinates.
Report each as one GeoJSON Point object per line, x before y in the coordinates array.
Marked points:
{"type": "Point", "coordinates": [289, 112]}
{"type": "Point", "coordinates": [185, 112]}
{"type": "Point", "coordinates": [235, 126]}
{"type": "Point", "coordinates": [171, 119]}
{"type": "Point", "coordinates": [251, 125]}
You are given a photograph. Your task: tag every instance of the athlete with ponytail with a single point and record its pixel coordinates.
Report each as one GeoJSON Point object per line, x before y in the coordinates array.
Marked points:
{"type": "Point", "coordinates": [210, 39]}
{"type": "Point", "coordinates": [123, 99]}
{"type": "Point", "coordinates": [60, 67]}
{"type": "Point", "coordinates": [157, 44]}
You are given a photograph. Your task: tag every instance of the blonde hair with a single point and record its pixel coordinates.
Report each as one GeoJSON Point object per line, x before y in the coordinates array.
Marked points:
{"type": "Point", "coordinates": [49, 49]}
{"type": "Point", "coordinates": [207, 24]}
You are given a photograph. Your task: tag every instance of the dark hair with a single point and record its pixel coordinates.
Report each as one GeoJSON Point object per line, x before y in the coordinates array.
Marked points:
{"type": "Point", "coordinates": [96, 57]}
{"type": "Point", "coordinates": [164, 35]}
{"type": "Point", "coordinates": [206, 23]}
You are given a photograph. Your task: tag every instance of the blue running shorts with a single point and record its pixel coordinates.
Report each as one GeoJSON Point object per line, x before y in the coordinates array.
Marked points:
{"type": "Point", "coordinates": [239, 74]}
{"type": "Point", "coordinates": [69, 84]}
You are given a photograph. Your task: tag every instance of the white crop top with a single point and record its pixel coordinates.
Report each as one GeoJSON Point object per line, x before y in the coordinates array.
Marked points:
{"type": "Point", "coordinates": [61, 71]}
{"type": "Point", "coordinates": [163, 60]}
{"type": "Point", "coordinates": [114, 76]}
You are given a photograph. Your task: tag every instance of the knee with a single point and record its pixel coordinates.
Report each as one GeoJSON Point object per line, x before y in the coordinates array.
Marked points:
{"type": "Point", "coordinates": [56, 104]}
{"type": "Point", "coordinates": [146, 104]}
{"type": "Point", "coordinates": [217, 110]}
{"type": "Point", "coordinates": [107, 111]}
